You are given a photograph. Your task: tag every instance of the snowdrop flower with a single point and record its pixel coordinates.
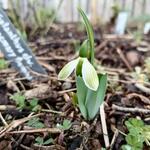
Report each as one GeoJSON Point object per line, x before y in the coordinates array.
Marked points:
{"type": "Point", "coordinates": [88, 72]}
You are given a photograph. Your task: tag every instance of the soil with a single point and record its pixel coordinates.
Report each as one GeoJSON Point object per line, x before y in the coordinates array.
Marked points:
{"type": "Point", "coordinates": [118, 56]}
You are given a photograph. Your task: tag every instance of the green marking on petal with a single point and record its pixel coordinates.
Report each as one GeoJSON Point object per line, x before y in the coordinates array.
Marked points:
{"type": "Point", "coordinates": [89, 75]}
{"type": "Point", "coordinates": [85, 49]}
{"type": "Point", "coordinates": [79, 67]}
{"type": "Point", "coordinates": [68, 69]}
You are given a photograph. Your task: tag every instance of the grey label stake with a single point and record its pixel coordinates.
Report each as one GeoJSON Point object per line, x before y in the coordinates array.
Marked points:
{"type": "Point", "coordinates": [16, 50]}
{"type": "Point", "coordinates": [121, 23]}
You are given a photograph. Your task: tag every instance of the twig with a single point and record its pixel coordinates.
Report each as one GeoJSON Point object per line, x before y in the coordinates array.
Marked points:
{"type": "Point", "coordinates": [143, 88]}
{"type": "Point", "coordinates": [121, 81]}
{"type": "Point", "coordinates": [129, 81]}
{"type": "Point", "coordinates": [18, 142]}
{"type": "Point", "coordinates": [124, 59]}
{"type": "Point", "coordinates": [117, 70]}
{"type": "Point", "coordinates": [5, 71]}
{"type": "Point", "coordinates": [47, 66]}
{"type": "Point", "coordinates": [104, 126]}
{"type": "Point", "coordinates": [21, 84]}
{"type": "Point", "coordinates": [52, 58]}
{"type": "Point", "coordinates": [128, 109]}
{"type": "Point", "coordinates": [25, 147]}
{"type": "Point", "coordinates": [138, 84]}
{"type": "Point", "coordinates": [142, 98]}
{"type": "Point", "coordinates": [50, 130]}
{"type": "Point", "coordinates": [38, 74]}
{"type": "Point", "coordinates": [102, 45]}
{"type": "Point", "coordinates": [147, 119]}
{"type": "Point", "coordinates": [53, 111]}
{"type": "Point", "coordinates": [114, 138]}
{"type": "Point", "coordinates": [6, 107]}
{"type": "Point", "coordinates": [67, 80]}
{"type": "Point", "coordinates": [3, 120]}
{"type": "Point", "coordinates": [120, 132]}
{"type": "Point", "coordinates": [17, 79]}
{"type": "Point", "coordinates": [66, 91]}
{"type": "Point", "coordinates": [54, 147]}
{"type": "Point", "coordinates": [15, 124]}
{"type": "Point", "coordinates": [116, 37]}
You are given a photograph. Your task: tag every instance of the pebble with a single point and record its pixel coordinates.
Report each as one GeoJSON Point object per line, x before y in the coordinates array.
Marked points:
{"type": "Point", "coordinates": [66, 85]}
{"type": "Point", "coordinates": [133, 57]}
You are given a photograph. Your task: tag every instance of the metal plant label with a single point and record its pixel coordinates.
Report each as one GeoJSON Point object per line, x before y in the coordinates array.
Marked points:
{"type": "Point", "coordinates": [16, 50]}
{"type": "Point", "coordinates": [121, 23]}
{"type": "Point", "coordinates": [147, 28]}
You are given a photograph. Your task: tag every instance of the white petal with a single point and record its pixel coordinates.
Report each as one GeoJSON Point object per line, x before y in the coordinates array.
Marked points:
{"type": "Point", "coordinates": [68, 69]}
{"type": "Point", "coordinates": [89, 75]}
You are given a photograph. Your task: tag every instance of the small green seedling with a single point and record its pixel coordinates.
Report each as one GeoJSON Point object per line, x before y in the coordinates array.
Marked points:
{"type": "Point", "coordinates": [138, 134]}
{"type": "Point", "coordinates": [35, 123]}
{"type": "Point", "coordinates": [115, 10]}
{"type": "Point", "coordinates": [139, 75]}
{"type": "Point", "coordinates": [33, 105]}
{"type": "Point", "coordinates": [138, 35]}
{"type": "Point", "coordinates": [21, 102]}
{"type": "Point", "coordinates": [65, 126]}
{"type": "Point", "coordinates": [16, 18]}
{"type": "Point", "coordinates": [19, 98]}
{"type": "Point", "coordinates": [42, 16]}
{"type": "Point", "coordinates": [3, 64]}
{"type": "Point", "coordinates": [147, 66]}
{"type": "Point", "coordinates": [40, 141]}
{"type": "Point", "coordinates": [91, 87]}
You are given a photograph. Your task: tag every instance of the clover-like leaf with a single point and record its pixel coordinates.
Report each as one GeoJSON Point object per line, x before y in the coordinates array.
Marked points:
{"type": "Point", "coordinates": [89, 75]}
{"type": "Point", "coordinates": [68, 69]}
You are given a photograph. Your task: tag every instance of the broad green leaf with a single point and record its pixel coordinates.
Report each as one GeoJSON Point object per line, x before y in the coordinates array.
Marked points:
{"type": "Point", "coordinates": [39, 140]}
{"type": "Point", "coordinates": [138, 133]}
{"type": "Point", "coordinates": [49, 141]}
{"type": "Point", "coordinates": [126, 147]}
{"type": "Point", "coordinates": [89, 32]}
{"type": "Point", "coordinates": [136, 142]}
{"type": "Point", "coordinates": [132, 123]}
{"type": "Point", "coordinates": [95, 98]}
{"type": "Point", "coordinates": [81, 94]}
{"type": "Point", "coordinates": [89, 75]}
{"type": "Point", "coordinates": [146, 132]}
{"type": "Point", "coordinates": [67, 124]}
{"type": "Point", "coordinates": [135, 126]}
{"type": "Point", "coordinates": [68, 69]}
{"type": "Point", "coordinates": [3, 64]}
{"type": "Point", "coordinates": [33, 102]}
{"type": "Point", "coordinates": [34, 105]}
{"type": "Point", "coordinates": [74, 99]}
{"type": "Point", "coordinates": [19, 98]}
{"type": "Point", "coordinates": [35, 122]}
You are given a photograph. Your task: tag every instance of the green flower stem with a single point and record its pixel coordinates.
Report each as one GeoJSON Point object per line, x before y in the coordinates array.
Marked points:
{"type": "Point", "coordinates": [89, 33]}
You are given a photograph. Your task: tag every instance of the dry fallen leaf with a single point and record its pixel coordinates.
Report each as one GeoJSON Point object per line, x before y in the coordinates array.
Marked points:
{"type": "Point", "coordinates": [41, 92]}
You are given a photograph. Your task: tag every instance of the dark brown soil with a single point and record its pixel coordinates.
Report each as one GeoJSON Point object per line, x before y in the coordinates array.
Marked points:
{"type": "Point", "coordinates": [118, 56]}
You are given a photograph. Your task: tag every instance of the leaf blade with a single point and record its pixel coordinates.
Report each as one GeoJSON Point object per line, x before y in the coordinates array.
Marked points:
{"type": "Point", "coordinates": [95, 98]}
{"type": "Point", "coordinates": [89, 32]}
{"type": "Point", "coordinates": [81, 94]}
